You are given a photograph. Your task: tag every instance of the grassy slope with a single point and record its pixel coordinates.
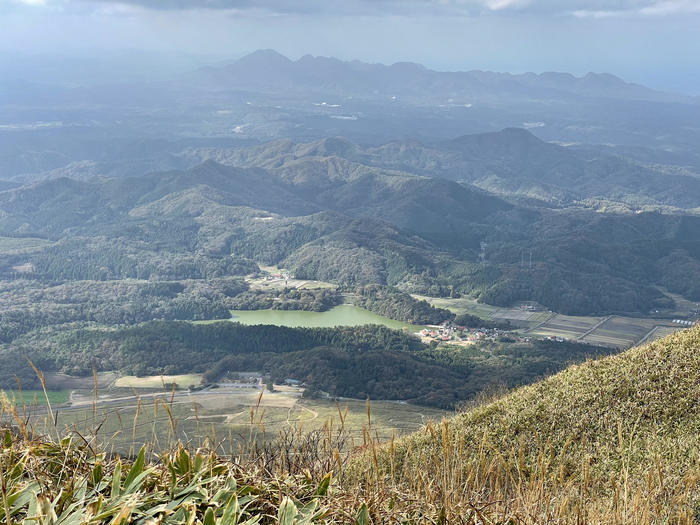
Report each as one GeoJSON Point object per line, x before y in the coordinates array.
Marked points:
{"type": "Point", "coordinates": [618, 437]}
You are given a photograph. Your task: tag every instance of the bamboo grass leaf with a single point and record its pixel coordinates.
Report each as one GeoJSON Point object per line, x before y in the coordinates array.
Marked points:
{"type": "Point", "coordinates": [136, 469]}
{"type": "Point", "coordinates": [363, 516]}
{"type": "Point", "coordinates": [287, 512]}
{"type": "Point", "coordinates": [323, 486]}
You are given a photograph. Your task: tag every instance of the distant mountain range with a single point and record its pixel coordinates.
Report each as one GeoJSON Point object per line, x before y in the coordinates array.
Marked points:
{"type": "Point", "coordinates": [134, 127]}
{"type": "Point", "coordinates": [267, 71]}
{"type": "Point", "coordinates": [511, 162]}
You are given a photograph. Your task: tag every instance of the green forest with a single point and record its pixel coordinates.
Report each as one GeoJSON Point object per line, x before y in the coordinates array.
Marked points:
{"type": "Point", "coordinates": [368, 361]}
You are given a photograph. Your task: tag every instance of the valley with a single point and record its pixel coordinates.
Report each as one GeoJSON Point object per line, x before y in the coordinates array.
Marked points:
{"type": "Point", "coordinates": [127, 412]}
{"type": "Point", "coordinates": [533, 321]}
{"type": "Point", "coordinates": [310, 290]}
{"type": "Point", "coordinates": [248, 286]}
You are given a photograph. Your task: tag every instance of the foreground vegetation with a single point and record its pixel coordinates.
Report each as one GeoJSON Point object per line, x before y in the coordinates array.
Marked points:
{"type": "Point", "coordinates": [609, 441]}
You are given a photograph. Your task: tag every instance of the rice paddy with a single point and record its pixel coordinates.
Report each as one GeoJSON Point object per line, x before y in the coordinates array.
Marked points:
{"type": "Point", "coordinates": [613, 331]}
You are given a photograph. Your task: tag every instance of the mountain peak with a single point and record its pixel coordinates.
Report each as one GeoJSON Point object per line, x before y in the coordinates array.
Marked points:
{"type": "Point", "coordinates": [339, 146]}
{"type": "Point", "coordinates": [269, 56]}
{"type": "Point", "coordinates": [511, 135]}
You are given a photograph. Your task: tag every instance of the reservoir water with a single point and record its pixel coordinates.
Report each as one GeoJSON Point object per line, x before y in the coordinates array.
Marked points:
{"type": "Point", "coordinates": [343, 315]}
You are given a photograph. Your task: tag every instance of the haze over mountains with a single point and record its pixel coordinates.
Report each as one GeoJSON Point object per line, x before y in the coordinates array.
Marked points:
{"type": "Point", "coordinates": [267, 71]}
{"type": "Point", "coordinates": [511, 162]}
{"type": "Point", "coordinates": [303, 263]}
{"type": "Point", "coordinates": [265, 96]}
{"type": "Point", "coordinates": [359, 173]}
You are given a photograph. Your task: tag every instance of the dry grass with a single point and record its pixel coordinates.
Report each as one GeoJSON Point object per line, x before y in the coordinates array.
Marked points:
{"type": "Point", "coordinates": [609, 441]}
{"type": "Point", "coordinates": [182, 381]}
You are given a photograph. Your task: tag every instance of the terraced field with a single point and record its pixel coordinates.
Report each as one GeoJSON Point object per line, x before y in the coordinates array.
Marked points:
{"type": "Point", "coordinates": [566, 326]}
{"type": "Point", "coordinates": [613, 331]}
{"type": "Point", "coordinates": [621, 331]}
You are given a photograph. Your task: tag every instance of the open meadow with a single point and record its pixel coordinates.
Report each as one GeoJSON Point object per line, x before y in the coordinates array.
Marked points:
{"type": "Point", "coordinates": [16, 245]}
{"type": "Point", "coordinates": [227, 417]}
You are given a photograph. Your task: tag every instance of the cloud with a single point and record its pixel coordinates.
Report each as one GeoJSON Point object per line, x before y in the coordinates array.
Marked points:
{"type": "Point", "coordinates": [574, 8]}
{"type": "Point", "coordinates": [672, 7]}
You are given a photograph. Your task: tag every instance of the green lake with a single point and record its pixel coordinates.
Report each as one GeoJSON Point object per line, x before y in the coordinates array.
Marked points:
{"type": "Point", "coordinates": [343, 315]}
{"type": "Point", "coordinates": [37, 397]}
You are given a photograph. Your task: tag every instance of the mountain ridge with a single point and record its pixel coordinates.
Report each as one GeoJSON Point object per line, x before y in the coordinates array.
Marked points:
{"type": "Point", "coordinates": [511, 162]}
{"type": "Point", "coordinates": [319, 73]}
{"type": "Point", "coordinates": [328, 218]}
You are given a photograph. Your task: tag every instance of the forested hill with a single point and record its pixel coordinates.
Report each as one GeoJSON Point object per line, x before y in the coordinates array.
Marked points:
{"type": "Point", "coordinates": [330, 218]}
{"type": "Point", "coordinates": [358, 362]}
{"type": "Point", "coordinates": [511, 162]}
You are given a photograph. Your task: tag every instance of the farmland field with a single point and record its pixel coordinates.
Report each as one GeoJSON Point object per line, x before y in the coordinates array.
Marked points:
{"type": "Point", "coordinates": [37, 397]}
{"type": "Point", "coordinates": [660, 332]}
{"type": "Point", "coordinates": [290, 282]}
{"type": "Point", "coordinates": [520, 317]}
{"type": "Point", "coordinates": [460, 305]}
{"type": "Point", "coordinates": [20, 244]}
{"type": "Point", "coordinates": [182, 381]}
{"type": "Point", "coordinates": [613, 331]}
{"type": "Point", "coordinates": [621, 331]}
{"type": "Point", "coordinates": [230, 417]}
{"type": "Point", "coordinates": [516, 315]}
{"type": "Point", "coordinates": [566, 326]}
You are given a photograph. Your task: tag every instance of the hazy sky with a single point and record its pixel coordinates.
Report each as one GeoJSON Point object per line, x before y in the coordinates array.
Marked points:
{"type": "Point", "coordinates": [655, 42]}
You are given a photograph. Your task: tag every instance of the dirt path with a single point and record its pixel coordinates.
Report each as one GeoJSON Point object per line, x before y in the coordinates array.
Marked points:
{"type": "Point", "coordinates": [598, 325]}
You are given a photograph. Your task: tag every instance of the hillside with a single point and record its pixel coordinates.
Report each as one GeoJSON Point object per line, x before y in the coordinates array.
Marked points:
{"type": "Point", "coordinates": [612, 440]}
{"type": "Point", "coordinates": [511, 162]}
{"type": "Point", "coordinates": [352, 222]}
{"type": "Point", "coordinates": [608, 441]}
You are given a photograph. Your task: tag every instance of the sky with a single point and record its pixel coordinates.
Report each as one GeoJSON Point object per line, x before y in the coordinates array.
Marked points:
{"type": "Point", "coordinates": [653, 42]}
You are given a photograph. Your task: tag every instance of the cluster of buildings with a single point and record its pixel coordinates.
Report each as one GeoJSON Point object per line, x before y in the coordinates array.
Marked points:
{"type": "Point", "coordinates": [683, 322]}
{"type": "Point", "coordinates": [449, 331]}
{"type": "Point", "coordinates": [276, 277]}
